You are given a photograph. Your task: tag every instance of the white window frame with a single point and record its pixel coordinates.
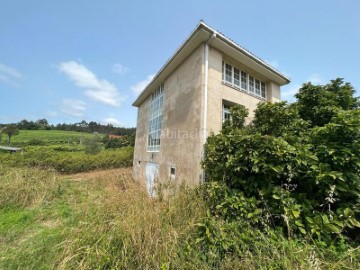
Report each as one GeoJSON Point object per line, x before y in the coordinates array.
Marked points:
{"type": "Point", "coordinates": [225, 112]}
{"type": "Point", "coordinates": [155, 120]}
{"type": "Point", "coordinates": [258, 87]}
{"type": "Point", "coordinates": [226, 73]}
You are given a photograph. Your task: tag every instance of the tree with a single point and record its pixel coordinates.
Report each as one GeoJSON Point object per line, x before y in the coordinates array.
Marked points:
{"type": "Point", "coordinates": [299, 163]}
{"type": "Point", "coordinates": [10, 130]}
{"type": "Point", "coordinates": [93, 145]}
{"type": "Point", "coordinates": [319, 103]}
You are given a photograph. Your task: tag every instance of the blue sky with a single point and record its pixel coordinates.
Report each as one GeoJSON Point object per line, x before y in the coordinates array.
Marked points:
{"type": "Point", "coordinates": [68, 61]}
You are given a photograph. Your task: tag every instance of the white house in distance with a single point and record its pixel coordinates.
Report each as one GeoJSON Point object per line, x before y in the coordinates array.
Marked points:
{"type": "Point", "coordinates": [189, 98]}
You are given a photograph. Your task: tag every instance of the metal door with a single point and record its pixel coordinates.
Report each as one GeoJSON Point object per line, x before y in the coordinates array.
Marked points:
{"type": "Point", "coordinates": [152, 171]}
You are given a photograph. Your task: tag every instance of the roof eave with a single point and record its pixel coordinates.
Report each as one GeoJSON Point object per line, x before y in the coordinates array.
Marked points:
{"type": "Point", "coordinates": [280, 78]}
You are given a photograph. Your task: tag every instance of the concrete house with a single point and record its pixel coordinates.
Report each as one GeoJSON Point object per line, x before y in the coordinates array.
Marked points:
{"type": "Point", "coordinates": [189, 98]}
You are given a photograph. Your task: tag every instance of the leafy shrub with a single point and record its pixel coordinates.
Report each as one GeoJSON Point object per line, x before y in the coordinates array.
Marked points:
{"type": "Point", "coordinates": [305, 176]}
{"type": "Point", "coordinates": [92, 145]}
{"type": "Point", "coordinates": [34, 142]}
{"type": "Point", "coordinates": [124, 141]}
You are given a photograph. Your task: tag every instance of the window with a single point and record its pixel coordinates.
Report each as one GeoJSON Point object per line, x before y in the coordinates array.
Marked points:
{"type": "Point", "coordinates": [155, 120]}
{"type": "Point", "coordinates": [226, 112]}
{"type": "Point", "coordinates": [263, 89]}
{"type": "Point", "coordinates": [257, 87]}
{"type": "Point", "coordinates": [243, 81]}
{"type": "Point", "coordinates": [237, 77]}
{"type": "Point", "coordinates": [251, 84]}
{"type": "Point", "coordinates": [228, 73]}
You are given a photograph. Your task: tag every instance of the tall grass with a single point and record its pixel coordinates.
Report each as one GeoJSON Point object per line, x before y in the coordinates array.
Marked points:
{"type": "Point", "coordinates": [68, 162]}
{"type": "Point", "coordinates": [104, 220]}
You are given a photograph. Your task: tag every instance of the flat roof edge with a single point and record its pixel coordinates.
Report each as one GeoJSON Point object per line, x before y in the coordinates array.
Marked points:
{"type": "Point", "coordinates": [219, 35]}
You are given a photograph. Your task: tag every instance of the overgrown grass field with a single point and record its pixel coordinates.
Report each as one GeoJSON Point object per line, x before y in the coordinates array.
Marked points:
{"type": "Point", "coordinates": [104, 220]}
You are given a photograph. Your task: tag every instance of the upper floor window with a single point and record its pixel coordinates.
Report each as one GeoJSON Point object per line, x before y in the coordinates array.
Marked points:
{"type": "Point", "coordinates": [155, 120]}
{"type": "Point", "coordinates": [228, 73]}
{"type": "Point", "coordinates": [243, 81]}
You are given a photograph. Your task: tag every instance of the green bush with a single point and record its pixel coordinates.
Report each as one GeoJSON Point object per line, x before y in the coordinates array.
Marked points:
{"type": "Point", "coordinates": [304, 174]}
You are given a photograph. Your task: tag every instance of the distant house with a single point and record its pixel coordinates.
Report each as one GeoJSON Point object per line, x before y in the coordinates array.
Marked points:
{"type": "Point", "coordinates": [189, 98]}
{"type": "Point", "coordinates": [112, 136]}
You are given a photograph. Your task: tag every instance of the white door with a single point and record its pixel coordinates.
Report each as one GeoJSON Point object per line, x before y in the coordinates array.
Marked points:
{"type": "Point", "coordinates": [152, 171]}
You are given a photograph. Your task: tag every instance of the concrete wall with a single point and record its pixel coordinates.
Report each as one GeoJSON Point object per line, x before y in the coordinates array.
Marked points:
{"type": "Point", "coordinates": [219, 93]}
{"type": "Point", "coordinates": [180, 144]}
{"type": "Point", "coordinates": [181, 139]}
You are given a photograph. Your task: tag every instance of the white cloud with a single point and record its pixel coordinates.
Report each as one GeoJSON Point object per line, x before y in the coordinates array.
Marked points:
{"type": "Point", "coordinates": [120, 69]}
{"type": "Point", "coordinates": [138, 87]}
{"type": "Point", "coordinates": [73, 107]}
{"type": "Point", "coordinates": [9, 75]}
{"type": "Point", "coordinates": [52, 114]}
{"type": "Point", "coordinates": [315, 79]}
{"type": "Point", "coordinates": [289, 93]}
{"type": "Point", "coordinates": [112, 121]}
{"type": "Point", "coordinates": [97, 89]}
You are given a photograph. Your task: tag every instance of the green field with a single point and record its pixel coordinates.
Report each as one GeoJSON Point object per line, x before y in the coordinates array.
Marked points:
{"type": "Point", "coordinates": [48, 137]}
{"type": "Point", "coordinates": [63, 151]}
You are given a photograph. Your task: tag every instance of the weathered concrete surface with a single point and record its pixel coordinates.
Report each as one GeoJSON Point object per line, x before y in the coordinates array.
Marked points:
{"type": "Point", "coordinates": [181, 141]}
{"type": "Point", "coordinates": [220, 93]}
{"type": "Point", "coordinates": [180, 145]}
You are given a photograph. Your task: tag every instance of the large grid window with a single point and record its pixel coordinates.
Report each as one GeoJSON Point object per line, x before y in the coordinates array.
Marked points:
{"type": "Point", "coordinates": [243, 81]}
{"type": "Point", "coordinates": [155, 120]}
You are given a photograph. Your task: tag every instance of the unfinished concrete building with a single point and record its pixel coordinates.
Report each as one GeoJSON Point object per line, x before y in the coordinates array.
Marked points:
{"type": "Point", "coordinates": [189, 98]}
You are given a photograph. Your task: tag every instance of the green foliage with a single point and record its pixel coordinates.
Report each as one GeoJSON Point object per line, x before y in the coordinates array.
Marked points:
{"type": "Point", "coordinates": [49, 137]}
{"type": "Point", "coordinates": [319, 103]}
{"type": "Point", "coordinates": [237, 120]}
{"type": "Point", "coordinates": [10, 130]}
{"type": "Point", "coordinates": [124, 141]}
{"type": "Point", "coordinates": [304, 172]}
{"type": "Point", "coordinates": [92, 145]}
{"type": "Point", "coordinates": [107, 221]}
{"type": "Point", "coordinates": [68, 162]}
{"type": "Point", "coordinates": [278, 119]}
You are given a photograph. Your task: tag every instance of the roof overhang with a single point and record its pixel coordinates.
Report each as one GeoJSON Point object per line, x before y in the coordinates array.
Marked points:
{"type": "Point", "coordinates": [202, 34]}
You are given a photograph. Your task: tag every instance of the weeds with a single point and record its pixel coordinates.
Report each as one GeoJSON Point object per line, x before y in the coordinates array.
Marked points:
{"type": "Point", "coordinates": [104, 220]}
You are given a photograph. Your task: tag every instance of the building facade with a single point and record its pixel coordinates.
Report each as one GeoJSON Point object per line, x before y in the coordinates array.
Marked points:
{"type": "Point", "coordinates": [189, 98]}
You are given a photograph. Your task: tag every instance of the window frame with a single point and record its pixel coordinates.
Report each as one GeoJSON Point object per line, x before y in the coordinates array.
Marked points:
{"type": "Point", "coordinates": [155, 120]}
{"type": "Point", "coordinates": [243, 81]}
{"type": "Point", "coordinates": [225, 112]}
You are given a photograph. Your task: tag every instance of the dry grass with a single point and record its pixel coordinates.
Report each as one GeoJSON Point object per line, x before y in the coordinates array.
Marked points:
{"type": "Point", "coordinates": [105, 220]}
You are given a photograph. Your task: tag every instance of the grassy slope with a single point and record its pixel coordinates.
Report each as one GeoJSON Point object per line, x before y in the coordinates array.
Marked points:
{"type": "Point", "coordinates": [103, 220]}
{"type": "Point", "coordinates": [47, 136]}
{"type": "Point", "coordinates": [63, 151]}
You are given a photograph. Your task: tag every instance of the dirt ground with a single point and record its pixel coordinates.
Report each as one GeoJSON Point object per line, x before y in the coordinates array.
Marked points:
{"type": "Point", "coordinates": [100, 174]}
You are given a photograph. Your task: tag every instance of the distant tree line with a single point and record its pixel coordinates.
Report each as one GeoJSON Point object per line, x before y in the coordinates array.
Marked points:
{"type": "Point", "coordinates": [83, 126]}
